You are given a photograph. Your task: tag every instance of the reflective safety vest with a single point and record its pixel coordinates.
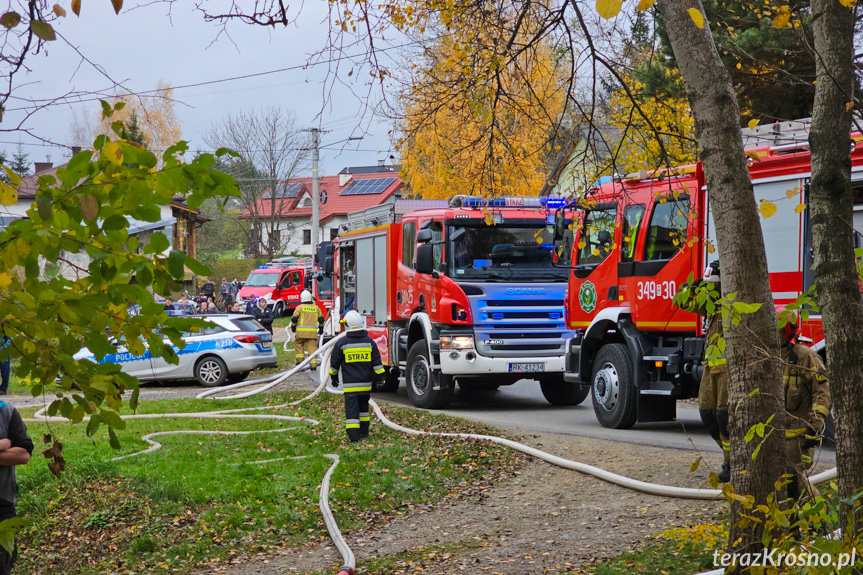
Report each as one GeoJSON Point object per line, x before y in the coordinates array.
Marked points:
{"type": "Point", "coordinates": [357, 357]}
{"type": "Point", "coordinates": [306, 320]}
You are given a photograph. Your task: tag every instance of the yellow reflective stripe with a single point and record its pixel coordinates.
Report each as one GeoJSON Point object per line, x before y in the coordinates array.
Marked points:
{"type": "Point", "coordinates": [726, 446]}
{"type": "Point", "coordinates": [357, 355]}
{"type": "Point", "coordinates": [334, 371]}
{"type": "Point", "coordinates": [364, 418]}
{"type": "Point", "coordinates": [379, 371]}
{"type": "Point", "coordinates": [357, 389]}
{"type": "Point", "coordinates": [820, 409]}
{"type": "Point", "coordinates": [352, 425]}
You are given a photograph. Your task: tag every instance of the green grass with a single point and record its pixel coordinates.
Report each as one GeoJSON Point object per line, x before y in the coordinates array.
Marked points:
{"type": "Point", "coordinates": [661, 558]}
{"type": "Point", "coordinates": [201, 500]}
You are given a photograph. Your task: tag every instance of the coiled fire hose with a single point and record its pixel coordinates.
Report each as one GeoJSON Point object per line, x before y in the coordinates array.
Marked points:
{"type": "Point", "coordinates": [324, 381]}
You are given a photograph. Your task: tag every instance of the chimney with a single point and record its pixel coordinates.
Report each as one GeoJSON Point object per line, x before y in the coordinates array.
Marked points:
{"type": "Point", "coordinates": [42, 166]}
{"type": "Point", "coordinates": [75, 149]}
{"type": "Point", "coordinates": [381, 163]}
{"type": "Point", "coordinates": [344, 179]}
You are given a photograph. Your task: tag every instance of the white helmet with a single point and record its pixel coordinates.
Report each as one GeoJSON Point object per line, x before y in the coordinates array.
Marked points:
{"type": "Point", "coordinates": [353, 320]}
{"type": "Point", "coordinates": [306, 296]}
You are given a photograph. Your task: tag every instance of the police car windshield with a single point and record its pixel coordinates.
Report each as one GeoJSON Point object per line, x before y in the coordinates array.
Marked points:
{"type": "Point", "coordinates": [262, 279]}
{"type": "Point", "coordinates": [503, 252]}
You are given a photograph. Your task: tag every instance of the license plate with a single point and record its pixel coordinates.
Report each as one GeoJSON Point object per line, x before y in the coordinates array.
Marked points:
{"type": "Point", "coordinates": [267, 345]}
{"type": "Point", "coordinates": [266, 337]}
{"type": "Point", "coordinates": [526, 367]}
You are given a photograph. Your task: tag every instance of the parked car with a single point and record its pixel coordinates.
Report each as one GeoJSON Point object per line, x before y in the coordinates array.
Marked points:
{"type": "Point", "coordinates": [226, 351]}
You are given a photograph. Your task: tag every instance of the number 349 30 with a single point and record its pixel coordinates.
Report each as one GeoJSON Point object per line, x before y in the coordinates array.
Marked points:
{"type": "Point", "coordinates": [656, 290]}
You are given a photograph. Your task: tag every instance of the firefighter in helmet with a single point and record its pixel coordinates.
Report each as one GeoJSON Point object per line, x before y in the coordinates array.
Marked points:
{"type": "Point", "coordinates": [713, 390]}
{"type": "Point", "coordinates": [307, 323]}
{"type": "Point", "coordinates": [807, 405]}
{"type": "Point", "coordinates": [357, 357]}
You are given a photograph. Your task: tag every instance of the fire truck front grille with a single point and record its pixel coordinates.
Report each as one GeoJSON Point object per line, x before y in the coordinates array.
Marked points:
{"type": "Point", "coordinates": [519, 327]}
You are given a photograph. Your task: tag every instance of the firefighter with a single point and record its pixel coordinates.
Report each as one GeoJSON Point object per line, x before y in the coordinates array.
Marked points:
{"type": "Point", "coordinates": [713, 391]}
{"type": "Point", "coordinates": [307, 323]}
{"type": "Point", "coordinates": [357, 356]}
{"type": "Point", "coordinates": [807, 405]}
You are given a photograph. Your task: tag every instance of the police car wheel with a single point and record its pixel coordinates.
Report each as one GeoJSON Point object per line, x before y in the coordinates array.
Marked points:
{"type": "Point", "coordinates": [420, 380]}
{"type": "Point", "coordinates": [615, 398]}
{"type": "Point", "coordinates": [211, 371]}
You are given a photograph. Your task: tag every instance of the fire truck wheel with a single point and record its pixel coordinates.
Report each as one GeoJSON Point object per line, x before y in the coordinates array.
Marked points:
{"type": "Point", "coordinates": [615, 400]}
{"type": "Point", "coordinates": [279, 310]}
{"type": "Point", "coordinates": [419, 380]}
{"type": "Point", "coordinates": [558, 392]}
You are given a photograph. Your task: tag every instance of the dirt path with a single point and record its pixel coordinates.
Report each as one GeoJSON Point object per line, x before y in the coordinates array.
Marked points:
{"type": "Point", "coordinates": [543, 519]}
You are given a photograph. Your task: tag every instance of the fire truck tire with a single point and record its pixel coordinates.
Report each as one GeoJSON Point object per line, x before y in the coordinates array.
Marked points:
{"type": "Point", "coordinates": [615, 398]}
{"type": "Point", "coordinates": [561, 393]}
{"type": "Point", "coordinates": [418, 380]}
{"type": "Point", "coordinates": [279, 310]}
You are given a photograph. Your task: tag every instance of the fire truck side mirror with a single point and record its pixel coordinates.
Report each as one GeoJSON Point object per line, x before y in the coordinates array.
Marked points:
{"type": "Point", "coordinates": [425, 258]}
{"type": "Point", "coordinates": [328, 265]}
{"type": "Point", "coordinates": [424, 236]}
{"type": "Point", "coordinates": [559, 225]}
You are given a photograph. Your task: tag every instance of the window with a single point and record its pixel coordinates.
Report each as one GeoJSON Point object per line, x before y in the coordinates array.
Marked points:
{"type": "Point", "coordinates": [437, 237]}
{"type": "Point", "coordinates": [667, 232]}
{"type": "Point", "coordinates": [307, 237]}
{"type": "Point", "coordinates": [409, 243]}
{"type": "Point", "coordinates": [631, 222]}
{"type": "Point", "coordinates": [295, 279]}
{"type": "Point", "coordinates": [307, 203]}
{"type": "Point", "coordinates": [597, 235]}
{"type": "Point", "coordinates": [334, 232]}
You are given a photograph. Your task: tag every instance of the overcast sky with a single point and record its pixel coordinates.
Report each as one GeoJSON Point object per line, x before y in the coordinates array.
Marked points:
{"type": "Point", "coordinates": [142, 46]}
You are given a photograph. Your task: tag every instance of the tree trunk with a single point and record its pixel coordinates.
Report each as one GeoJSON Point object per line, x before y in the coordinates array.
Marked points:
{"type": "Point", "coordinates": [755, 385]}
{"type": "Point", "coordinates": [831, 213]}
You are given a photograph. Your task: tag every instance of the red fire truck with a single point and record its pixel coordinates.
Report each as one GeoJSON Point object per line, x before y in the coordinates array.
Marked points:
{"type": "Point", "coordinates": [282, 281]}
{"type": "Point", "coordinates": [465, 292]}
{"type": "Point", "coordinates": [637, 240]}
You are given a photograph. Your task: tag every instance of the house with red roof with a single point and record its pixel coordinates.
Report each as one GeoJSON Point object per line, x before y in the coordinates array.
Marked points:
{"type": "Point", "coordinates": [353, 189]}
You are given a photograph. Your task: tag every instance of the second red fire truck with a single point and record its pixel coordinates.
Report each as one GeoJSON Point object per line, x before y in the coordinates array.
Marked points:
{"type": "Point", "coordinates": [637, 240]}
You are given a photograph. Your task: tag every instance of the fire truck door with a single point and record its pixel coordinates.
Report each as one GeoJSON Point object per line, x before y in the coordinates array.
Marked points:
{"type": "Point", "coordinates": [661, 262]}
{"type": "Point", "coordinates": [405, 272]}
{"type": "Point", "coordinates": [593, 285]}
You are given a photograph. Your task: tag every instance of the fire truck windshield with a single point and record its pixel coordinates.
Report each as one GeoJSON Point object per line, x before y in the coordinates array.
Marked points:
{"type": "Point", "coordinates": [504, 252]}
{"type": "Point", "coordinates": [262, 279]}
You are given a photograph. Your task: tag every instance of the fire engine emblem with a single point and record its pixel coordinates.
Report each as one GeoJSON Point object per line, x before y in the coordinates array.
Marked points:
{"type": "Point", "coordinates": [587, 296]}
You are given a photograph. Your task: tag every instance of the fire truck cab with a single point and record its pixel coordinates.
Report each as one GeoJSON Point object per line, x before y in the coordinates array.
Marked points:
{"type": "Point", "coordinates": [464, 292]}
{"type": "Point", "coordinates": [280, 282]}
{"type": "Point", "coordinates": [637, 240]}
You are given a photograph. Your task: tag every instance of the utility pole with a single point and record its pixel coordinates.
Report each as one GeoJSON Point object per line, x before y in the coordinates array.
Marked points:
{"type": "Point", "coordinates": [316, 222]}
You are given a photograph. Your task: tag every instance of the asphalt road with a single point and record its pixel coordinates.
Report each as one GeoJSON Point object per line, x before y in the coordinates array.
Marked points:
{"type": "Point", "coordinates": [522, 406]}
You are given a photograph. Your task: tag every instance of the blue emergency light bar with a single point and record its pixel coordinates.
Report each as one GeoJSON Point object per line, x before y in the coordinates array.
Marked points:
{"type": "Point", "coordinates": [513, 202]}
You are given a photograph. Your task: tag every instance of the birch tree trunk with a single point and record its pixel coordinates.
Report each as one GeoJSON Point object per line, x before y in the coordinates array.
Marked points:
{"type": "Point", "coordinates": [831, 213]}
{"type": "Point", "coordinates": [755, 385]}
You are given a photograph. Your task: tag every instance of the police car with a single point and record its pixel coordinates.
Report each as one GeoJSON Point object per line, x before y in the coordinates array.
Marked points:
{"type": "Point", "coordinates": [225, 351]}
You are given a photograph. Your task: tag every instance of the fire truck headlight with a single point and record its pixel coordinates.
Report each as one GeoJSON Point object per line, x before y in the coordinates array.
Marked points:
{"type": "Point", "coordinates": [456, 342]}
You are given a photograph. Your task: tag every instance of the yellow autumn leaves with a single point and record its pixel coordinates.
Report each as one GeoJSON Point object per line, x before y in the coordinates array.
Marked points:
{"type": "Point", "coordinates": [767, 208]}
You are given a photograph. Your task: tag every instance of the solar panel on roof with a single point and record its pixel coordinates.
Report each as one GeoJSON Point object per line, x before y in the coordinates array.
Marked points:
{"type": "Point", "coordinates": [367, 187]}
{"type": "Point", "coordinates": [286, 190]}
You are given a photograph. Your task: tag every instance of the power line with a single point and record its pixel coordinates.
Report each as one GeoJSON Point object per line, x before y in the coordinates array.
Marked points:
{"type": "Point", "coordinates": [71, 100]}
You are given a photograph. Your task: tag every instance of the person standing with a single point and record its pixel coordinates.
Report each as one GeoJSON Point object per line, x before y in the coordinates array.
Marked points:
{"type": "Point", "coordinates": [208, 289]}
{"type": "Point", "coordinates": [225, 293]}
{"type": "Point", "coordinates": [807, 405]}
{"type": "Point", "coordinates": [357, 359]}
{"type": "Point", "coordinates": [307, 323]}
{"type": "Point", "coordinates": [16, 447]}
{"type": "Point", "coordinates": [713, 390]}
{"type": "Point", "coordinates": [264, 315]}
{"type": "Point", "coordinates": [5, 366]}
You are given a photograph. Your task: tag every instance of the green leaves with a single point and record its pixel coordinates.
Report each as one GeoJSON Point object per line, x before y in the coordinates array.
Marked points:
{"type": "Point", "coordinates": [10, 19]}
{"type": "Point", "coordinates": [43, 30]}
{"type": "Point", "coordinates": [175, 264]}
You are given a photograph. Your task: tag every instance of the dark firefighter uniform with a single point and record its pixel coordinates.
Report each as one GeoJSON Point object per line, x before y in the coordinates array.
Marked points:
{"type": "Point", "coordinates": [307, 322]}
{"type": "Point", "coordinates": [713, 389]}
{"type": "Point", "coordinates": [807, 405]}
{"type": "Point", "coordinates": [357, 356]}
